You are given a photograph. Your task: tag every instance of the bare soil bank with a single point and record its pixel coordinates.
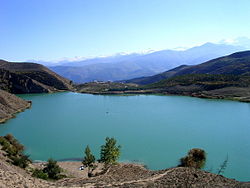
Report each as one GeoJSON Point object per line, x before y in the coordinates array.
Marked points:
{"type": "Point", "coordinates": [10, 105]}
{"type": "Point", "coordinates": [120, 175]}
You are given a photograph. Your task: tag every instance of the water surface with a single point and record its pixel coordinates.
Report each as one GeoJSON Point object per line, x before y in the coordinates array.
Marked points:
{"type": "Point", "coordinates": [154, 130]}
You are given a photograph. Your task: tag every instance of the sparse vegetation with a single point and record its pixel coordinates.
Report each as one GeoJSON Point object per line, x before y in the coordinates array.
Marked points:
{"type": "Point", "coordinates": [223, 166]}
{"type": "Point", "coordinates": [21, 161]}
{"type": "Point", "coordinates": [14, 151]}
{"type": "Point", "coordinates": [53, 170]}
{"type": "Point", "coordinates": [104, 87]}
{"type": "Point", "coordinates": [205, 81]}
{"type": "Point", "coordinates": [110, 152]}
{"type": "Point", "coordinates": [196, 158]}
{"type": "Point", "coordinates": [38, 173]}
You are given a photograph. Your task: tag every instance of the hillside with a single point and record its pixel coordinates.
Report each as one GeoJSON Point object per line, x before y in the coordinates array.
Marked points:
{"type": "Point", "coordinates": [222, 78]}
{"type": "Point", "coordinates": [104, 87]}
{"type": "Point", "coordinates": [10, 105]}
{"type": "Point", "coordinates": [234, 64]}
{"type": "Point", "coordinates": [124, 67]}
{"type": "Point", "coordinates": [30, 78]}
{"type": "Point", "coordinates": [120, 175]}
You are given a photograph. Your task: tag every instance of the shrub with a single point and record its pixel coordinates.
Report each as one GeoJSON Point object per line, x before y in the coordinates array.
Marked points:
{"type": "Point", "coordinates": [110, 152]}
{"type": "Point", "coordinates": [6, 146]}
{"type": "Point", "coordinates": [14, 151]}
{"type": "Point", "coordinates": [38, 173]}
{"type": "Point", "coordinates": [196, 158]}
{"type": "Point", "coordinates": [21, 161]}
{"type": "Point", "coordinates": [15, 143]}
{"type": "Point", "coordinates": [53, 170]}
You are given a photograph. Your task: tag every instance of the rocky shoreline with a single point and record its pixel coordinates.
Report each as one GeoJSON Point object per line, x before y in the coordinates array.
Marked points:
{"type": "Point", "coordinates": [241, 94]}
{"type": "Point", "coordinates": [10, 105]}
{"type": "Point", "coordinates": [123, 175]}
{"type": "Point", "coordinates": [205, 95]}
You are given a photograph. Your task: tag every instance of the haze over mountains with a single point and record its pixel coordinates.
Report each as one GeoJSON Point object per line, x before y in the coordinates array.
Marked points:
{"type": "Point", "coordinates": [124, 67]}
{"type": "Point", "coordinates": [234, 64]}
{"type": "Point", "coordinates": [226, 77]}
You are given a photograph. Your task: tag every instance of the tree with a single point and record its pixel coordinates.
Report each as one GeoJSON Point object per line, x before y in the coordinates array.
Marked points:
{"type": "Point", "coordinates": [89, 158]}
{"type": "Point", "coordinates": [53, 170]}
{"type": "Point", "coordinates": [110, 152]}
{"type": "Point", "coordinates": [196, 158]}
{"type": "Point", "coordinates": [223, 166]}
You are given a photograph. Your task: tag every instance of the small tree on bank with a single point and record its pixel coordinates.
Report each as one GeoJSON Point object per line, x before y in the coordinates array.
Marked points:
{"type": "Point", "coordinates": [110, 152]}
{"type": "Point", "coordinates": [89, 158]}
{"type": "Point", "coordinates": [196, 158]}
{"type": "Point", "coordinates": [223, 166]}
{"type": "Point", "coordinates": [53, 170]}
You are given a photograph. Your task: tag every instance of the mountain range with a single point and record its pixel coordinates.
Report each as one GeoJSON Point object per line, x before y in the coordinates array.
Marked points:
{"type": "Point", "coordinates": [124, 67]}
{"type": "Point", "coordinates": [226, 77]}
{"type": "Point", "coordinates": [234, 64]}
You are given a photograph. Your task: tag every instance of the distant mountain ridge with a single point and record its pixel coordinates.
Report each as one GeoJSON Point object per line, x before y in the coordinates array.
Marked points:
{"type": "Point", "coordinates": [235, 64]}
{"type": "Point", "coordinates": [30, 78]}
{"type": "Point", "coordinates": [226, 77]}
{"type": "Point", "coordinates": [124, 67]}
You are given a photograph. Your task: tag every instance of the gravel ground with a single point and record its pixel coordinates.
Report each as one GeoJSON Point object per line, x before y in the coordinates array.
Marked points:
{"type": "Point", "coordinates": [120, 175]}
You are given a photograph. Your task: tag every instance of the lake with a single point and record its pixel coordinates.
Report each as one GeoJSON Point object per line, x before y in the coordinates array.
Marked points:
{"type": "Point", "coordinates": [152, 129]}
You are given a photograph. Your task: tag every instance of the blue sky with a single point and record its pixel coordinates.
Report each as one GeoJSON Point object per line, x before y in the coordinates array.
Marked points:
{"type": "Point", "coordinates": [53, 29]}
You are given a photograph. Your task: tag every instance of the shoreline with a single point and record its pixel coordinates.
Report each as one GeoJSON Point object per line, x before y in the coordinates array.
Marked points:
{"type": "Point", "coordinates": [136, 175]}
{"type": "Point", "coordinates": [71, 168]}
{"type": "Point", "coordinates": [13, 115]}
{"type": "Point", "coordinates": [150, 92]}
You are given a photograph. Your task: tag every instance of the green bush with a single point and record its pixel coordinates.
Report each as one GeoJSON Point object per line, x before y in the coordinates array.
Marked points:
{"type": "Point", "coordinates": [14, 151]}
{"type": "Point", "coordinates": [53, 170]}
{"type": "Point", "coordinates": [38, 173]}
{"type": "Point", "coordinates": [50, 171]}
{"type": "Point", "coordinates": [15, 143]}
{"type": "Point", "coordinates": [21, 161]}
{"type": "Point", "coordinates": [196, 158]}
{"type": "Point", "coordinates": [11, 145]}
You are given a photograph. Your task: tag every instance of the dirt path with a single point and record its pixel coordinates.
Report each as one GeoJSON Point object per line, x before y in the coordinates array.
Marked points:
{"type": "Point", "coordinates": [153, 178]}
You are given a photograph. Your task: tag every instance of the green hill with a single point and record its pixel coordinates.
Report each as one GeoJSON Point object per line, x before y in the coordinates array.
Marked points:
{"type": "Point", "coordinates": [234, 64]}
{"type": "Point", "coordinates": [224, 78]}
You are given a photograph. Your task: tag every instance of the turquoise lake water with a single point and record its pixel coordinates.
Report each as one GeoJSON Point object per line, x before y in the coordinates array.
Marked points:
{"type": "Point", "coordinates": [154, 130]}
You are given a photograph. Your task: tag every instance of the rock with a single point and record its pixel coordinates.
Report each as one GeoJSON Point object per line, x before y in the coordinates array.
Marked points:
{"type": "Point", "coordinates": [10, 105]}
{"type": "Point", "coordinates": [30, 78]}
